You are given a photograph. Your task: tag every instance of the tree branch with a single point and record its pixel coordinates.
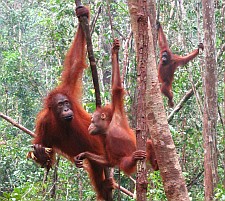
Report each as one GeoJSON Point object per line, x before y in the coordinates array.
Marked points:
{"type": "Point", "coordinates": [179, 106]}
{"type": "Point", "coordinates": [95, 19]}
{"type": "Point", "coordinates": [194, 180]}
{"type": "Point", "coordinates": [125, 55]}
{"type": "Point", "coordinates": [85, 26]}
{"type": "Point", "coordinates": [124, 190]}
{"type": "Point", "coordinates": [14, 123]}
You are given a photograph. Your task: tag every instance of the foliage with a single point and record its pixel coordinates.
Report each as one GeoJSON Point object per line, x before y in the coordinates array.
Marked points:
{"type": "Point", "coordinates": [156, 191]}
{"type": "Point", "coordinates": [220, 193]}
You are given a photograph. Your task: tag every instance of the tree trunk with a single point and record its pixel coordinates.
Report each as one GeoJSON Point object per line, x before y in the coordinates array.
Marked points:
{"type": "Point", "coordinates": [153, 114]}
{"type": "Point", "coordinates": [152, 16]}
{"type": "Point", "coordinates": [210, 100]}
{"type": "Point", "coordinates": [141, 34]}
{"type": "Point", "coordinates": [224, 132]}
{"type": "Point", "coordinates": [170, 170]}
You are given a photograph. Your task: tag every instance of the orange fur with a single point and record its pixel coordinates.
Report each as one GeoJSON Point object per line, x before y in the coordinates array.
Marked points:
{"type": "Point", "coordinates": [111, 122]}
{"type": "Point", "coordinates": [71, 138]}
{"type": "Point", "coordinates": [166, 71]}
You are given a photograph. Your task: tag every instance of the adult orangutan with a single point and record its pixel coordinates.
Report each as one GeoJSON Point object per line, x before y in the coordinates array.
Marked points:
{"type": "Point", "coordinates": [62, 125]}
{"type": "Point", "coordinates": [168, 64]}
{"type": "Point", "coordinates": [111, 122]}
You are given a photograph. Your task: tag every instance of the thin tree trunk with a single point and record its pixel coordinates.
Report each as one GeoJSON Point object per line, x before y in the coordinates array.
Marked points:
{"type": "Point", "coordinates": [140, 30]}
{"type": "Point", "coordinates": [220, 52]}
{"type": "Point", "coordinates": [210, 100]}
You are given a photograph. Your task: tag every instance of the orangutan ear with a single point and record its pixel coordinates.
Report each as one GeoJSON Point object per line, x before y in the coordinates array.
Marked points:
{"type": "Point", "coordinates": [103, 116]}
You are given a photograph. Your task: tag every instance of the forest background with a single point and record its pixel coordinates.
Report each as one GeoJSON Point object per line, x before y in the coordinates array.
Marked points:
{"type": "Point", "coordinates": [35, 36]}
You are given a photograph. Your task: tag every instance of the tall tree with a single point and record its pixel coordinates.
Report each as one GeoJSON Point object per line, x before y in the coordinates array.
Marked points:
{"type": "Point", "coordinates": [140, 29]}
{"type": "Point", "coordinates": [153, 113]}
{"type": "Point", "coordinates": [210, 100]}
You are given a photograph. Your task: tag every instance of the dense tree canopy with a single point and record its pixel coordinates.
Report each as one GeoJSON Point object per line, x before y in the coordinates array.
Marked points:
{"type": "Point", "coordinates": [34, 37]}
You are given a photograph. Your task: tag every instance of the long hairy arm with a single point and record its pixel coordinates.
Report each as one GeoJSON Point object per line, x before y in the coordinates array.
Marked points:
{"type": "Point", "coordinates": [117, 89]}
{"type": "Point", "coordinates": [163, 44]}
{"type": "Point", "coordinates": [75, 60]}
